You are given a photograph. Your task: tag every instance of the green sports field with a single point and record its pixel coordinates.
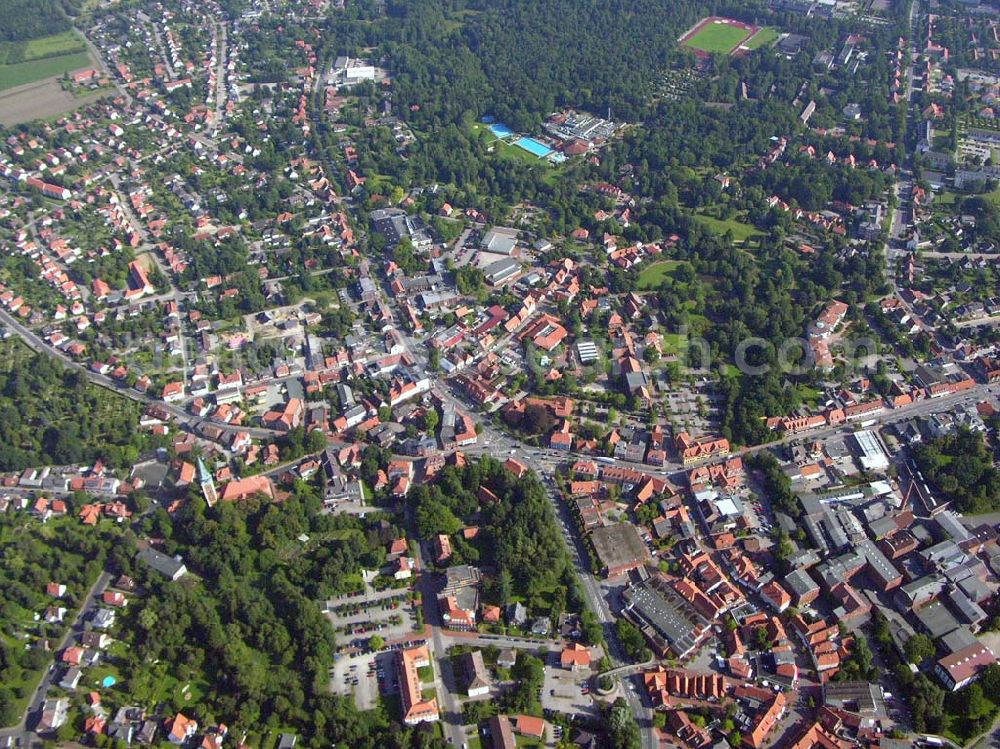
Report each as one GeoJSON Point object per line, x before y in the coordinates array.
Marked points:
{"type": "Point", "coordinates": [762, 38]}
{"type": "Point", "coordinates": [716, 38]}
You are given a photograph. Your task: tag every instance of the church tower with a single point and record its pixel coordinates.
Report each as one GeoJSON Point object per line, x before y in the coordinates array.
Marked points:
{"type": "Point", "coordinates": [207, 484]}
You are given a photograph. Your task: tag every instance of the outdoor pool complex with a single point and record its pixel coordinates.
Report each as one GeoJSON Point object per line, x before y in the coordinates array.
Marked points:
{"type": "Point", "coordinates": [501, 131]}
{"type": "Point", "coordinates": [533, 147]}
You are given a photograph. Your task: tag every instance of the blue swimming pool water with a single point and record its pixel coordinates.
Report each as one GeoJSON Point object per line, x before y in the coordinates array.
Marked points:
{"type": "Point", "coordinates": [532, 146]}
{"type": "Point", "coordinates": [501, 131]}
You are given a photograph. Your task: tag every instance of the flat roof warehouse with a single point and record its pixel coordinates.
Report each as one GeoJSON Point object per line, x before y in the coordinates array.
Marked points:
{"type": "Point", "coordinates": [619, 547]}
{"type": "Point", "coordinates": [652, 605]}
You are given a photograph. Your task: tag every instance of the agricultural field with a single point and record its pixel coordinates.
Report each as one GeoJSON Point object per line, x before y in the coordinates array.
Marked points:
{"type": "Point", "coordinates": [54, 55]}
{"type": "Point", "coordinates": [40, 99]}
{"type": "Point", "coordinates": [21, 73]}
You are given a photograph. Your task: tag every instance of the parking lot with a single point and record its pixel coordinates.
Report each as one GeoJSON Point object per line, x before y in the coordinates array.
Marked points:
{"type": "Point", "coordinates": [562, 690]}
{"type": "Point", "coordinates": [697, 408]}
{"type": "Point", "coordinates": [388, 614]}
{"type": "Point", "coordinates": [755, 511]}
{"type": "Point", "coordinates": [362, 675]}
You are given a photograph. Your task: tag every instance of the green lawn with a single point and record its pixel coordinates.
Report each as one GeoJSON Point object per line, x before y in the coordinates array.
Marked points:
{"type": "Point", "coordinates": [187, 692]}
{"type": "Point", "coordinates": [509, 151]}
{"type": "Point", "coordinates": [270, 740]}
{"type": "Point", "coordinates": [762, 38]}
{"type": "Point", "coordinates": [809, 394]}
{"type": "Point", "coordinates": [29, 72]}
{"type": "Point", "coordinates": [343, 534]}
{"type": "Point", "coordinates": [19, 619]}
{"type": "Point", "coordinates": [94, 677]}
{"type": "Point", "coordinates": [456, 20]}
{"type": "Point", "coordinates": [653, 274]}
{"type": "Point", "coordinates": [716, 37]}
{"type": "Point", "coordinates": [741, 231]}
{"type": "Point", "coordinates": [945, 197]}
{"type": "Point", "coordinates": [672, 343]}
{"type": "Point", "coordinates": [25, 685]}
{"type": "Point", "coordinates": [993, 196]}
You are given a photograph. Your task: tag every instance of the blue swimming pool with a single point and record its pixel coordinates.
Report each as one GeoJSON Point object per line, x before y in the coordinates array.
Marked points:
{"type": "Point", "coordinates": [533, 147]}
{"type": "Point", "coordinates": [501, 131]}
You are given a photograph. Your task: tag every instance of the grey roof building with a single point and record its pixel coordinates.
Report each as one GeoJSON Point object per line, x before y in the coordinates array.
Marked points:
{"type": "Point", "coordinates": [801, 585]}
{"type": "Point", "coordinates": [499, 271]}
{"type": "Point", "coordinates": [958, 639]}
{"type": "Point", "coordinates": [477, 679]}
{"type": "Point", "coordinates": [664, 617]}
{"type": "Point", "coordinates": [171, 568]}
{"type": "Point", "coordinates": [936, 620]}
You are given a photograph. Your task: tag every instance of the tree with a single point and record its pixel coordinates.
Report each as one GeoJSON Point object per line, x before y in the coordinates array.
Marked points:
{"type": "Point", "coordinates": [469, 280]}
{"type": "Point", "coordinates": [919, 648]}
{"type": "Point", "coordinates": [505, 587]}
{"type": "Point", "coordinates": [537, 419]}
{"type": "Point", "coordinates": [376, 642]}
{"type": "Point", "coordinates": [433, 519]}
{"type": "Point", "coordinates": [593, 632]}
{"type": "Point", "coordinates": [960, 466]}
{"type": "Point", "coordinates": [973, 703]}
{"type": "Point", "coordinates": [8, 707]}
{"type": "Point", "coordinates": [528, 674]}
{"type": "Point", "coordinates": [623, 732]}
{"type": "Point", "coordinates": [632, 640]}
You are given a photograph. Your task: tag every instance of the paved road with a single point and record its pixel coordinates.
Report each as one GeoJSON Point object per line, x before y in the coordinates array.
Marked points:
{"type": "Point", "coordinates": [594, 594]}
{"type": "Point", "coordinates": [450, 710]}
{"type": "Point", "coordinates": [961, 255]}
{"type": "Point", "coordinates": [979, 322]}
{"type": "Point", "coordinates": [502, 641]}
{"type": "Point", "coordinates": [218, 111]}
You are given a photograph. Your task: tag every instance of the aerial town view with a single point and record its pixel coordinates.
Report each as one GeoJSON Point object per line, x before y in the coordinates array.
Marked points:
{"type": "Point", "coordinates": [500, 374]}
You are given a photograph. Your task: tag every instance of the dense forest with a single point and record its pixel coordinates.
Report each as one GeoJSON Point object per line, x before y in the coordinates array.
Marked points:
{"type": "Point", "coordinates": [22, 20]}
{"type": "Point", "coordinates": [519, 60]}
{"type": "Point", "coordinates": [519, 537]}
{"type": "Point", "coordinates": [960, 467]}
{"type": "Point", "coordinates": [50, 414]}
